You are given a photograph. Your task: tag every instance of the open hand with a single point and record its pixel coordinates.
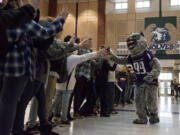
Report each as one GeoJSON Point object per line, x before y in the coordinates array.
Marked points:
{"type": "Point", "coordinates": [64, 12]}
{"type": "Point", "coordinates": [86, 43]}
{"type": "Point", "coordinates": [102, 52]}
{"type": "Point", "coordinates": [73, 39]}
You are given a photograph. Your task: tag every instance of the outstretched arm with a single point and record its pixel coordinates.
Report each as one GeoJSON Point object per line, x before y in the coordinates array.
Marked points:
{"type": "Point", "coordinates": [34, 30]}
{"type": "Point", "coordinates": [117, 59]}
{"type": "Point", "coordinates": [60, 49]}
{"type": "Point", "coordinates": [156, 69]}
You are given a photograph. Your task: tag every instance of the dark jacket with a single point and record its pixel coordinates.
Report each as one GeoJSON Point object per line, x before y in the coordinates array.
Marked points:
{"type": "Point", "coordinates": [102, 73]}
{"type": "Point", "coordinates": [12, 18]}
{"type": "Point", "coordinates": [122, 80]}
{"type": "Point", "coordinates": [131, 78]}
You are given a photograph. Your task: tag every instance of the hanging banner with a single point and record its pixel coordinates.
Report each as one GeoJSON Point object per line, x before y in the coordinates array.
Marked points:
{"type": "Point", "coordinates": [160, 31]}
{"type": "Point", "coordinates": [160, 37]}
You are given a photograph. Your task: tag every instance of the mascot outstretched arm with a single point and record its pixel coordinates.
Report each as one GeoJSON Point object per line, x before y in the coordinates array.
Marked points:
{"type": "Point", "coordinates": [147, 69]}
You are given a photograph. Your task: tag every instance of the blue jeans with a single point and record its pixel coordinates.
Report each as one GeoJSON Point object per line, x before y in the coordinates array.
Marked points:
{"type": "Point", "coordinates": [33, 113]}
{"type": "Point", "coordinates": [61, 103]}
{"type": "Point", "coordinates": [129, 93]}
{"type": "Point", "coordinates": [34, 88]}
{"type": "Point", "coordinates": [11, 88]}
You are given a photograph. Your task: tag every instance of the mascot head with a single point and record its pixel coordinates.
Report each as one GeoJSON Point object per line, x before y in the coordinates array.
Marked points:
{"type": "Point", "coordinates": [137, 44]}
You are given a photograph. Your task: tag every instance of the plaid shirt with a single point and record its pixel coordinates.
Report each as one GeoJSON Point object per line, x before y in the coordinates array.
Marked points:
{"type": "Point", "coordinates": [20, 59]}
{"type": "Point", "coordinates": [84, 69]}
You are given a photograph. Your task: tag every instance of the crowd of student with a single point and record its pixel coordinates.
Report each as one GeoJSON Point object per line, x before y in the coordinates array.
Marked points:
{"type": "Point", "coordinates": [53, 74]}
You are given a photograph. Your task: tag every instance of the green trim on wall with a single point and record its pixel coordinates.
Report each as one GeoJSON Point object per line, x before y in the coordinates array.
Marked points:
{"type": "Point", "coordinates": [169, 56]}
{"type": "Point", "coordinates": [161, 21]}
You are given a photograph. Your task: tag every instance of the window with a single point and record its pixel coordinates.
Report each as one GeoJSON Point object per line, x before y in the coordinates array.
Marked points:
{"type": "Point", "coordinates": [142, 3]}
{"type": "Point", "coordinates": [121, 4]}
{"type": "Point", "coordinates": [175, 2]}
{"type": "Point", "coordinates": [166, 76]}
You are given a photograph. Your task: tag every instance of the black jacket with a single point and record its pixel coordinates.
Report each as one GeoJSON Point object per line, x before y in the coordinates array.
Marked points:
{"type": "Point", "coordinates": [12, 18]}
{"type": "Point", "coordinates": [102, 73]}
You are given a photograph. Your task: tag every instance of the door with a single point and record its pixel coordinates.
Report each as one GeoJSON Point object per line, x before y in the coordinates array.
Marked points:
{"type": "Point", "coordinates": [165, 87]}
{"type": "Point", "coordinates": [165, 84]}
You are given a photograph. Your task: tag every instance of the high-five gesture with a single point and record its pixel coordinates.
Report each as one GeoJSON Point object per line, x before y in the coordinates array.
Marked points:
{"type": "Point", "coordinates": [102, 52]}
{"type": "Point", "coordinates": [64, 12]}
{"type": "Point", "coordinates": [86, 43]}
{"type": "Point", "coordinates": [34, 3]}
{"type": "Point", "coordinates": [73, 39]}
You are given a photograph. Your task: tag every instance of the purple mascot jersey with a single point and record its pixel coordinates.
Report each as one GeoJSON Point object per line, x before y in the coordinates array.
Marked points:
{"type": "Point", "coordinates": [141, 67]}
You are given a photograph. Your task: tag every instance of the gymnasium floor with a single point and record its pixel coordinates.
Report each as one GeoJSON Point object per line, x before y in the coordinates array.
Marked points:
{"type": "Point", "coordinates": [121, 123]}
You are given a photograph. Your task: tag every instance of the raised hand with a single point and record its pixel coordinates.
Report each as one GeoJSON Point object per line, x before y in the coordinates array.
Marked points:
{"type": "Point", "coordinates": [102, 52]}
{"type": "Point", "coordinates": [73, 39]}
{"type": "Point", "coordinates": [34, 3]}
{"type": "Point", "coordinates": [86, 44]}
{"type": "Point", "coordinates": [64, 12]}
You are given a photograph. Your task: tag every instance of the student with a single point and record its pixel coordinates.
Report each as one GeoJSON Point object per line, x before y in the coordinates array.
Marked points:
{"type": "Point", "coordinates": [56, 50]}
{"type": "Point", "coordinates": [83, 78]}
{"type": "Point", "coordinates": [16, 68]}
{"type": "Point", "coordinates": [64, 90]}
{"type": "Point", "coordinates": [11, 18]}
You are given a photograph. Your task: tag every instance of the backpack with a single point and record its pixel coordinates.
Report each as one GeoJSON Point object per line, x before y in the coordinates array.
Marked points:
{"type": "Point", "coordinates": [60, 66]}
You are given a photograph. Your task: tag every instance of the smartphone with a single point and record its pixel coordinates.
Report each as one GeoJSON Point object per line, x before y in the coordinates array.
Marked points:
{"type": "Point", "coordinates": [0, 1]}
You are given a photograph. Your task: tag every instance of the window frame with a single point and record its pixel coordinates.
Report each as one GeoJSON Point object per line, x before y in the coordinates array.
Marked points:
{"type": "Point", "coordinates": [165, 76]}
{"type": "Point", "coordinates": [143, 6]}
{"type": "Point", "coordinates": [178, 1]}
{"type": "Point", "coordinates": [121, 4]}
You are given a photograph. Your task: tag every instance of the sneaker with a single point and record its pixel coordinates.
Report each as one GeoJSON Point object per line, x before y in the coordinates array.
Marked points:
{"type": "Point", "coordinates": [78, 116]}
{"type": "Point", "coordinates": [129, 102]}
{"type": "Point", "coordinates": [105, 115]}
{"type": "Point", "coordinates": [46, 128]}
{"type": "Point", "coordinates": [71, 119]}
{"type": "Point", "coordinates": [140, 121]}
{"type": "Point", "coordinates": [114, 112]}
{"type": "Point", "coordinates": [56, 119]}
{"type": "Point", "coordinates": [67, 122]}
{"type": "Point", "coordinates": [29, 129]}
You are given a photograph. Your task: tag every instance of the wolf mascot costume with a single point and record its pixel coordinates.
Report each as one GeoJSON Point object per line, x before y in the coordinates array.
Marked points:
{"type": "Point", "coordinates": [147, 69]}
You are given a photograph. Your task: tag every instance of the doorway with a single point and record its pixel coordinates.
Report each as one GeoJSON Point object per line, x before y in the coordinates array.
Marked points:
{"type": "Point", "coordinates": [165, 83]}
